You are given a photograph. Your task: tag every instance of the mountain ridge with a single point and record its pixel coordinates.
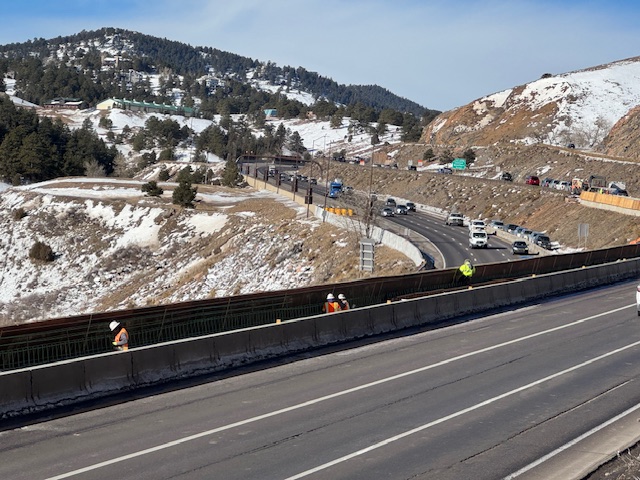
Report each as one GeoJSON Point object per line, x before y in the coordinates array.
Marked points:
{"type": "Point", "coordinates": [184, 59]}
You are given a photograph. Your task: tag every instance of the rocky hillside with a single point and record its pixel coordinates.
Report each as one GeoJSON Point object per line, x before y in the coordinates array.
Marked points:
{"type": "Point", "coordinates": [479, 193]}
{"type": "Point", "coordinates": [577, 107]}
{"type": "Point", "coordinates": [622, 140]}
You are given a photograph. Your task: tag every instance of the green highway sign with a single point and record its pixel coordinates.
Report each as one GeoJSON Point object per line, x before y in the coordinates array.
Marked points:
{"type": "Point", "coordinates": [459, 164]}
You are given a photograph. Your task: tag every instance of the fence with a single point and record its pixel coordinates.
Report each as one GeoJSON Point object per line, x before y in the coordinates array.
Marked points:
{"type": "Point", "coordinates": [71, 337]}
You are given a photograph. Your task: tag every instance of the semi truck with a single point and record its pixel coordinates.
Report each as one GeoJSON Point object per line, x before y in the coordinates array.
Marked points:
{"type": "Point", "coordinates": [335, 188]}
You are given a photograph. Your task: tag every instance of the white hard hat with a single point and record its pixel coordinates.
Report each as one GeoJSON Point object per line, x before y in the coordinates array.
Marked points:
{"type": "Point", "coordinates": [341, 296]}
{"type": "Point", "coordinates": [113, 325]}
{"type": "Point", "coordinates": [330, 297]}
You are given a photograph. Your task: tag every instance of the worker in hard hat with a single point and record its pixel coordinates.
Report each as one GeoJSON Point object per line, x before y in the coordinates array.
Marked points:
{"type": "Point", "coordinates": [330, 305]}
{"type": "Point", "coordinates": [344, 303]}
{"type": "Point", "coordinates": [121, 340]}
{"type": "Point", "coordinates": [466, 270]}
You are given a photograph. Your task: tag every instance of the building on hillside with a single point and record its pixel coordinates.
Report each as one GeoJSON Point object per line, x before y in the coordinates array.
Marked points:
{"type": "Point", "coordinates": [271, 112]}
{"type": "Point", "coordinates": [145, 107]}
{"type": "Point", "coordinates": [64, 103]}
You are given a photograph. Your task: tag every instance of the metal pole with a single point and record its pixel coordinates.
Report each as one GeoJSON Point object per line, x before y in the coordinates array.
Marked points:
{"type": "Point", "coordinates": [326, 187]}
{"type": "Point", "coordinates": [370, 199]}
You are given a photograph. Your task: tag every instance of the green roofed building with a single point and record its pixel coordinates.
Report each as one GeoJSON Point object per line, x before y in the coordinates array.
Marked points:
{"type": "Point", "coordinates": [145, 107]}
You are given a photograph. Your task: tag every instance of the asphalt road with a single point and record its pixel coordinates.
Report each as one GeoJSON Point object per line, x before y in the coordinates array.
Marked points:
{"type": "Point", "coordinates": [453, 242]}
{"type": "Point", "coordinates": [481, 399]}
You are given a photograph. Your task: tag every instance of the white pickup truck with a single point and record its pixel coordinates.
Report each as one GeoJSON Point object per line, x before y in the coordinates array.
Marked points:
{"type": "Point", "coordinates": [455, 219]}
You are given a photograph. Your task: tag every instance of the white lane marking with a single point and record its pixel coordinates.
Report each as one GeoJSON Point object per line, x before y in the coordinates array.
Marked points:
{"type": "Point", "coordinates": [402, 435]}
{"type": "Point", "coordinates": [571, 443]}
{"type": "Point", "coordinates": [326, 397]}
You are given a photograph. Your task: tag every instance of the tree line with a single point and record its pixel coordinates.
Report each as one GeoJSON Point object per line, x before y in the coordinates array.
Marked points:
{"type": "Point", "coordinates": [34, 148]}
{"type": "Point", "coordinates": [80, 73]}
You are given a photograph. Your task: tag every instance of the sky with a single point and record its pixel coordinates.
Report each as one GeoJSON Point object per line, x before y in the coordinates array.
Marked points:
{"type": "Point", "coordinates": [437, 53]}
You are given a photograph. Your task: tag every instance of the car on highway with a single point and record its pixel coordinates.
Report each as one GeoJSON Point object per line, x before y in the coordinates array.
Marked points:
{"type": "Point", "coordinates": [497, 224]}
{"type": "Point", "coordinates": [524, 232]}
{"type": "Point", "coordinates": [391, 202]}
{"type": "Point", "coordinates": [638, 299]}
{"type": "Point", "coordinates": [532, 180]}
{"type": "Point", "coordinates": [387, 212]}
{"type": "Point", "coordinates": [477, 225]}
{"type": "Point", "coordinates": [411, 206]}
{"type": "Point", "coordinates": [543, 241]}
{"type": "Point", "coordinates": [511, 228]}
{"type": "Point", "coordinates": [313, 181]}
{"type": "Point", "coordinates": [478, 239]}
{"type": "Point", "coordinates": [455, 218]}
{"type": "Point", "coordinates": [506, 176]}
{"type": "Point", "coordinates": [619, 191]}
{"type": "Point", "coordinates": [401, 210]}
{"type": "Point", "coordinates": [445, 170]}
{"type": "Point", "coordinates": [520, 247]}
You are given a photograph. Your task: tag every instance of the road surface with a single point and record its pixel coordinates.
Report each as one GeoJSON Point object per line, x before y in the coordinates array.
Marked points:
{"type": "Point", "coordinates": [482, 399]}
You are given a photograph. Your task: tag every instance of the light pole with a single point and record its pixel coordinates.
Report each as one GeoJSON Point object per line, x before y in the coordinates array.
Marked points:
{"type": "Point", "coordinates": [370, 199]}
{"type": "Point", "coordinates": [326, 186]}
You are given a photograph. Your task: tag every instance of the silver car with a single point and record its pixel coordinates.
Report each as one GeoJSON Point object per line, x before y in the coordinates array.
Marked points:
{"type": "Point", "coordinates": [387, 212]}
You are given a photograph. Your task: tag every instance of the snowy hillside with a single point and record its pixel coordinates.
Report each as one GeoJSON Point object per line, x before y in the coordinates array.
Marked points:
{"type": "Point", "coordinates": [116, 249]}
{"type": "Point", "coordinates": [578, 107]}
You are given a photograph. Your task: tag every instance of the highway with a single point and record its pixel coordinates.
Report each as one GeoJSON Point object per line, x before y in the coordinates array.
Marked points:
{"type": "Point", "coordinates": [481, 399]}
{"type": "Point", "coordinates": [453, 242]}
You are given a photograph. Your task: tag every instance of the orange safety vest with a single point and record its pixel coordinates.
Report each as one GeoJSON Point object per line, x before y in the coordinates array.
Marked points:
{"type": "Point", "coordinates": [330, 307]}
{"type": "Point", "coordinates": [122, 335]}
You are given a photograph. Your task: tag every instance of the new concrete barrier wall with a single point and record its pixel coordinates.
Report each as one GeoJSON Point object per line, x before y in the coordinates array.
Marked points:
{"type": "Point", "coordinates": [45, 387]}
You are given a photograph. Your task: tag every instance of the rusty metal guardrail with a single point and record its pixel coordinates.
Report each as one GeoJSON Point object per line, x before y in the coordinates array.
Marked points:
{"type": "Point", "coordinates": [71, 337]}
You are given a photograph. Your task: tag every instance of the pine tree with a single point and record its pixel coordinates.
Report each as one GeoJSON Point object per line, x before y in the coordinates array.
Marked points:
{"type": "Point", "coordinates": [152, 189]}
{"type": "Point", "coordinates": [231, 176]}
{"type": "Point", "coordinates": [469, 155]}
{"type": "Point", "coordinates": [184, 194]}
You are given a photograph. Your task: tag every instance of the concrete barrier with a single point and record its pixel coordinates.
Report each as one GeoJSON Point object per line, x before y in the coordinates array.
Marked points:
{"type": "Point", "coordinates": [15, 392]}
{"type": "Point", "coordinates": [46, 387]}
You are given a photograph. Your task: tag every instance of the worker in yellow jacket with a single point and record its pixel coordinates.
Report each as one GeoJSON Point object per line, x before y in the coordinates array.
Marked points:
{"type": "Point", "coordinates": [466, 270]}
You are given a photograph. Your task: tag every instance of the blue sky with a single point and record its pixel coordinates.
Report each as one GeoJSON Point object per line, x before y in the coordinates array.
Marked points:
{"type": "Point", "coordinates": [438, 53]}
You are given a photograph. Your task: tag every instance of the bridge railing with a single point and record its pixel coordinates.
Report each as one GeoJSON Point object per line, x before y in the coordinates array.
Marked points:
{"type": "Point", "coordinates": [71, 337]}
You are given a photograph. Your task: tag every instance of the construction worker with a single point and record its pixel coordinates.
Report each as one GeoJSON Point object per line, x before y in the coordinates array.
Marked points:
{"type": "Point", "coordinates": [330, 305]}
{"type": "Point", "coordinates": [342, 300]}
{"type": "Point", "coordinates": [121, 340]}
{"type": "Point", "coordinates": [467, 269]}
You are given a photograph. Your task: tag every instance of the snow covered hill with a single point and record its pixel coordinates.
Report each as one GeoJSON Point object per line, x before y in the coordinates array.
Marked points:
{"type": "Point", "coordinates": [116, 249]}
{"type": "Point", "coordinates": [577, 107]}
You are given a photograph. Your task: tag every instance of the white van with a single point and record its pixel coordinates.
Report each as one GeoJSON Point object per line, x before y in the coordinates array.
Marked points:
{"type": "Point", "coordinates": [477, 225]}
{"type": "Point", "coordinates": [478, 239]}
